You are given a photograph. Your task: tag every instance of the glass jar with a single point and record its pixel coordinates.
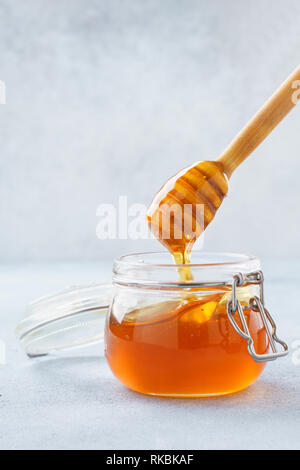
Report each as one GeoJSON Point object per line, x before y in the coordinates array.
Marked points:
{"type": "Point", "coordinates": [209, 336]}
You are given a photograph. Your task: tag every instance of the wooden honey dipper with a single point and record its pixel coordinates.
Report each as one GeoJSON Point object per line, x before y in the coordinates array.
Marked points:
{"type": "Point", "coordinates": [205, 184]}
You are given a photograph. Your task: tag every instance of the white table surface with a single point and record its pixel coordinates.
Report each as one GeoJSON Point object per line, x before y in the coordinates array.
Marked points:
{"type": "Point", "coordinates": [74, 402]}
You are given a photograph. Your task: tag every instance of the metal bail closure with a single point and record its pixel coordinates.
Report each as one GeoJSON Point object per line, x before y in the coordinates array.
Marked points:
{"type": "Point", "coordinates": [257, 304]}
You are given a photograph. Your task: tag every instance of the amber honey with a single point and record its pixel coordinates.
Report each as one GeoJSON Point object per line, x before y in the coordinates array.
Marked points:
{"type": "Point", "coordinates": [184, 348]}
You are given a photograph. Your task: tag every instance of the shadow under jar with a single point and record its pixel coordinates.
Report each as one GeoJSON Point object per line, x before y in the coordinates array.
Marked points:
{"type": "Point", "coordinates": [209, 336]}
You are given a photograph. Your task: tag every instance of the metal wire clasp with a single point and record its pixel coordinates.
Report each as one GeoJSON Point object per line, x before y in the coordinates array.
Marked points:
{"type": "Point", "coordinates": [257, 304]}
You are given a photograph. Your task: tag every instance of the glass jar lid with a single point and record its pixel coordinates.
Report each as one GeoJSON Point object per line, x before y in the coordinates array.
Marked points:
{"type": "Point", "coordinates": [67, 319]}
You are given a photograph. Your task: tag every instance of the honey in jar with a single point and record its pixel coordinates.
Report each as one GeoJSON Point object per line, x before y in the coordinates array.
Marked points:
{"type": "Point", "coordinates": [163, 339]}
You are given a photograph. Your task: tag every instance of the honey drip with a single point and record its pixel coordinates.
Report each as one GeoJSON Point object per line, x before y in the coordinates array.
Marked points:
{"type": "Point", "coordinates": [183, 208]}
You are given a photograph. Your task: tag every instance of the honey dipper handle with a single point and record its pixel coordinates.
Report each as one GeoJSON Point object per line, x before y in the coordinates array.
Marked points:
{"type": "Point", "coordinates": [262, 124]}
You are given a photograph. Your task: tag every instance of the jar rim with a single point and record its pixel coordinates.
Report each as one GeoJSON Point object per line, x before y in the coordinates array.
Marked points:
{"type": "Point", "coordinates": [128, 259]}
{"type": "Point", "coordinates": [212, 268]}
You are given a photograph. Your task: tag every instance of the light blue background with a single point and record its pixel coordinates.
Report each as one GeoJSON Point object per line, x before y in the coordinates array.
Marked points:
{"type": "Point", "coordinates": [110, 98]}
